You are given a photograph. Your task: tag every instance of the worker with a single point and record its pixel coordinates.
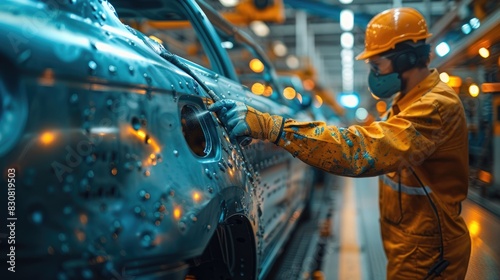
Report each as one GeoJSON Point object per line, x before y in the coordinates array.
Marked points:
{"type": "Point", "coordinates": [419, 150]}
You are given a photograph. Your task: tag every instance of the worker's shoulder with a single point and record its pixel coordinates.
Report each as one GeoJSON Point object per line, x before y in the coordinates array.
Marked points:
{"type": "Point", "coordinates": [441, 95]}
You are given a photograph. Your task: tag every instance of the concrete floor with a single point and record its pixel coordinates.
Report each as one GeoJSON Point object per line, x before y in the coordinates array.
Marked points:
{"type": "Point", "coordinates": [356, 251]}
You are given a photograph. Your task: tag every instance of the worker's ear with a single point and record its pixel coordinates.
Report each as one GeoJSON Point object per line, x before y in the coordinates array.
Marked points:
{"type": "Point", "coordinates": [404, 61]}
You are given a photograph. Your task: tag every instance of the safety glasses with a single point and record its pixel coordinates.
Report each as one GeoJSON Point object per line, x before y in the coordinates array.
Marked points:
{"type": "Point", "coordinates": [380, 64]}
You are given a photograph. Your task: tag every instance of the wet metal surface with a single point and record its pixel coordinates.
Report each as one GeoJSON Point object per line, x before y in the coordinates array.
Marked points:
{"type": "Point", "coordinates": [117, 172]}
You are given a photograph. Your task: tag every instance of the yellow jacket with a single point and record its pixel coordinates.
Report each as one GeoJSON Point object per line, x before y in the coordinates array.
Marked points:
{"type": "Point", "coordinates": [425, 130]}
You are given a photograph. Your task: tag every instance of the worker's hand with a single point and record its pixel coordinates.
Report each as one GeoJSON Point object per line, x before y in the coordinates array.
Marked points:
{"type": "Point", "coordinates": [242, 120]}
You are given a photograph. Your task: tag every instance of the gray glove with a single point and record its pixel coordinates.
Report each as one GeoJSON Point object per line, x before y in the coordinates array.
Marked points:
{"type": "Point", "coordinates": [242, 120]}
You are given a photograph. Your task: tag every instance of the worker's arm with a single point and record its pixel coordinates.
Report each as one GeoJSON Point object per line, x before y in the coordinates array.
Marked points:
{"type": "Point", "coordinates": [354, 151]}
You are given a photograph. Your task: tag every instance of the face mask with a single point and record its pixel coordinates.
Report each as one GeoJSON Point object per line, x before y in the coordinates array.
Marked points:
{"type": "Point", "coordinates": [384, 86]}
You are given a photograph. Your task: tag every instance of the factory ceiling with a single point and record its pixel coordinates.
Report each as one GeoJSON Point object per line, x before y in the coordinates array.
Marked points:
{"type": "Point", "coordinates": [311, 30]}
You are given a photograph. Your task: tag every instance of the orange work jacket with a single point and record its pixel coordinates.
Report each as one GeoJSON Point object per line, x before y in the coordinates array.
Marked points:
{"type": "Point", "coordinates": [425, 132]}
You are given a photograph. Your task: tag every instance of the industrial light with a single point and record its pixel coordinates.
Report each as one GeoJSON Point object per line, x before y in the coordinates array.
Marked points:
{"type": "Point", "coordinates": [361, 114]}
{"type": "Point", "coordinates": [475, 23]}
{"type": "Point", "coordinates": [349, 100]}
{"type": "Point", "coordinates": [259, 28]}
{"type": "Point", "coordinates": [258, 88]}
{"type": "Point", "coordinates": [268, 91]}
{"type": "Point", "coordinates": [445, 78]}
{"type": "Point", "coordinates": [381, 106]}
{"type": "Point", "coordinates": [454, 81]}
{"type": "Point", "coordinates": [318, 101]}
{"type": "Point", "coordinates": [466, 28]}
{"type": "Point", "coordinates": [227, 45]}
{"type": "Point", "coordinates": [347, 69]}
{"type": "Point", "coordinates": [345, 1]}
{"type": "Point", "coordinates": [484, 52]}
{"type": "Point", "coordinates": [346, 20]}
{"type": "Point", "coordinates": [292, 62]}
{"type": "Point", "coordinates": [229, 3]}
{"type": "Point", "coordinates": [279, 48]}
{"type": "Point", "coordinates": [347, 40]}
{"type": "Point", "coordinates": [308, 84]}
{"type": "Point", "coordinates": [442, 49]}
{"type": "Point", "coordinates": [256, 65]}
{"type": "Point", "coordinates": [289, 93]}
{"type": "Point", "coordinates": [473, 90]}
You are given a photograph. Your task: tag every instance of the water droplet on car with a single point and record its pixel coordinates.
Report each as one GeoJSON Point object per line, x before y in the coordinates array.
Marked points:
{"type": "Point", "coordinates": [148, 78]}
{"type": "Point", "coordinates": [67, 210]}
{"type": "Point", "coordinates": [92, 67]}
{"type": "Point", "coordinates": [136, 123]}
{"type": "Point", "coordinates": [37, 217]}
{"type": "Point", "coordinates": [112, 69]}
{"type": "Point", "coordinates": [24, 56]}
{"type": "Point", "coordinates": [73, 99]}
{"type": "Point", "coordinates": [182, 226]}
{"type": "Point", "coordinates": [87, 273]}
{"type": "Point", "coordinates": [61, 236]}
{"type": "Point", "coordinates": [208, 173]}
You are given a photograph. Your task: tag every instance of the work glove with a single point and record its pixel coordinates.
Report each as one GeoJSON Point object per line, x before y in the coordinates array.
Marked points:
{"type": "Point", "coordinates": [241, 120]}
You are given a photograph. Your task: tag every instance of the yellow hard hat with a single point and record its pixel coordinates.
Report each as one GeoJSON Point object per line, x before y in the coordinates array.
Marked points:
{"type": "Point", "coordinates": [393, 26]}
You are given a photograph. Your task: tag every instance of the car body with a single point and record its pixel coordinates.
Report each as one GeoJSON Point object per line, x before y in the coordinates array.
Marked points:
{"type": "Point", "coordinates": [119, 171]}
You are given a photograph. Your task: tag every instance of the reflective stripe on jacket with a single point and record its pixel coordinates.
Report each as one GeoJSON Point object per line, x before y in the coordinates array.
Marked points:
{"type": "Point", "coordinates": [426, 130]}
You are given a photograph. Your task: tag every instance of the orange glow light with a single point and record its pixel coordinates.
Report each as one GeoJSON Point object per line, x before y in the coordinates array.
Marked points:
{"type": "Point", "coordinates": [145, 138]}
{"type": "Point", "coordinates": [47, 78]}
{"type": "Point", "coordinates": [318, 101]}
{"type": "Point", "coordinates": [196, 197]}
{"type": "Point", "coordinates": [158, 40]}
{"type": "Point", "coordinates": [473, 90]}
{"type": "Point", "coordinates": [308, 84]}
{"type": "Point", "coordinates": [455, 82]}
{"type": "Point", "coordinates": [484, 176]}
{"type": "Point", "coordinates": [474, 228]}
{"type": "Point", "coordinates": [177, 213]}
{"type": "Point", "coordinates": [289, 93]}
{"type": "Point", "coordinates": [258, 88]}
{"type": "Point", "coordinates": [268, 91]}
{"type": "Point", "coordinates": [80, 235]}
{"type": "Point", "coordinates": [141, 134]}
{"type": "Point", "coordinates": [256, 65]}
{"type": "Point", "coordinates": [484, 52]}
{"type": "Point", "coordinates": [47, 138]}
{"type": "Point", "coordinates": [83, 219]}
{"type": "Point", "coordinates": [381, 106]}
